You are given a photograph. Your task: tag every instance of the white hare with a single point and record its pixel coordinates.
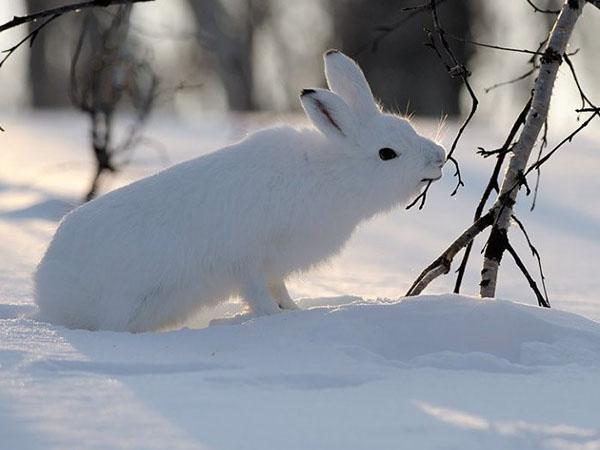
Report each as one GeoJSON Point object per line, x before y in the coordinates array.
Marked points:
{"type": "Point", "coordinates": [238, 221]}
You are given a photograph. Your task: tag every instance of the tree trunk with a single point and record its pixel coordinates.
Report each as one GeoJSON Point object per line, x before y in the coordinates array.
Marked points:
{"type": "Point", "coordinates": [231, 43]}
{"type": "Point", "coordinates": [47, 74]}
{"type": "Point", "coordinates": [550, 62]}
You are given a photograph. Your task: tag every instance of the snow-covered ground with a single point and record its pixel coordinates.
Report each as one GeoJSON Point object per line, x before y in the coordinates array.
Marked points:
{"type": "Point", "coordinates": [349, 372]}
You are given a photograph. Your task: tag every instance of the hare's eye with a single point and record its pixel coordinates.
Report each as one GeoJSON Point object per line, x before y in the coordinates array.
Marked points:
{"type": "Point", "coordinates": [387, 153]}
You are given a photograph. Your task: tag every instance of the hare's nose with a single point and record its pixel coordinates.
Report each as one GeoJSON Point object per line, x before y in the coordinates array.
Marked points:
{"type": "Point", "coordinates": [440, 156]}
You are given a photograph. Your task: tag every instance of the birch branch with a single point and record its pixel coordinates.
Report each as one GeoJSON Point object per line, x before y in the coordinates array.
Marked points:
{"type": "Point", "coordinates": [491, 186]}
{"type": "Point", "coordinates": [549, 63]}
{"type": "Point", "coordinates": [443, 263]}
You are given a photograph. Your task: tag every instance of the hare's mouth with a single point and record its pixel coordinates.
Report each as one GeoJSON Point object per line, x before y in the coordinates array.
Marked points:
{"type": "Point", "coordinates": [427, 180]}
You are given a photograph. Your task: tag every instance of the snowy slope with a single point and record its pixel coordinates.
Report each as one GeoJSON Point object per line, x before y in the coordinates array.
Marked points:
{"type": "Point", "coordinates": [431, 372]}
{"type": "Point", "coordinates": [439, 371]}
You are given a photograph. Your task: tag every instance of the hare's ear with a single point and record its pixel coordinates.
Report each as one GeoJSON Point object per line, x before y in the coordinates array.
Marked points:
{"type": "Point", "coordinates": [345, 78]}
{"type": "Point", "coordinates": [328, 112]}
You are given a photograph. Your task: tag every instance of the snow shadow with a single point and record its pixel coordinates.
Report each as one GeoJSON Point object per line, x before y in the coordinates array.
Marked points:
{"type": "Point", "coordinates": [126, 369]}
{"type": "Point", "coordinates": [515, 433]}
{"type": "Point", "coordinates": [51, 209]}
{"type": "Point", "coordinates": [15, 311]}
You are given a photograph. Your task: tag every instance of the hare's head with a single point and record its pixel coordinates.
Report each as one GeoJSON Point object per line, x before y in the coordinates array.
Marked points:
{"type": "Point", "coordinates": [381, 150]}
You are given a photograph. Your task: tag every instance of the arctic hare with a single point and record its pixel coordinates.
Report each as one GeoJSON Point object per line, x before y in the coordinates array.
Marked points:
{"type": "Point", "coordinates": [238, 221]}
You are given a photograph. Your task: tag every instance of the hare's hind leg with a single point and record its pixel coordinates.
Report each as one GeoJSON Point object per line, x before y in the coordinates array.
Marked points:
{"type": "Point", "coordinates": [281, 295]}
{"type": "Point", "coordinates": [259, 298]}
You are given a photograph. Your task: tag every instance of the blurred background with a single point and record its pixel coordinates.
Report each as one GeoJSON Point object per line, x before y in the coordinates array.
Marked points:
{"type": "Point", "coordinates": [256, 55]}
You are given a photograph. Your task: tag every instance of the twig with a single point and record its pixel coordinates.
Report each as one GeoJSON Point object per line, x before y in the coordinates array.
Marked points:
{"type": "Point", "coordinates": [540, 298]}
{"type": "Point", "coordinates": [19, 20]}
{"type": "Point", "coordinates": [30, 37]}
{"type": "Point", "coordinates": [421, 198]}
{"type": "Point", "coordinates": [514, 80]}
{"type": "Point", "coordinates": [535, 253]}
{"type": "Point", "coordinates": [387, 30]}
{"type": "Point", "coordinates": [455, 69]}
{"type": "Point", "coordinates": [495, 47]}
{"type": "Point", "coordinates": [543, 145]}
{"type": "Point", "coordinates": [584, 98]}
{"type": "Point", "coordinates": [548, 155]}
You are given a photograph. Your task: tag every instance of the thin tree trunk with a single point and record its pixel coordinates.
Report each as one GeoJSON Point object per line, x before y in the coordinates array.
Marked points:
{"type": "Point", "coordinates": [231, 44]}
{"type": "Point", "coordinates": [550, 62]}
{"type": "Point", "coordinates": [46, 80]}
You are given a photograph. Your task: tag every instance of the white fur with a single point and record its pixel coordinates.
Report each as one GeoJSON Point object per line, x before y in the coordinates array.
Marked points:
{"type": "Point", "coordinates": [238, 221]}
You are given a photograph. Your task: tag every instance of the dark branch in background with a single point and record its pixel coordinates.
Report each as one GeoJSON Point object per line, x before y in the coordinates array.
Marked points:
{"type": "Point", "coordinates": [59, 11]}
{"type": "Point", "coordinates": [51, 15]}
{"type": "Point", "coordinates": [111, 73]}
{"type": "Point", "coordinates": [495, 47]}
{"type": "Point", "coordinates": [387, 30]}
{"type": "Point", "coordinates": [437, 38]}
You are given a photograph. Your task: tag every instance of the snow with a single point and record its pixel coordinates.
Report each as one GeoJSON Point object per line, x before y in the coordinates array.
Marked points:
{"type": "Point", "coordinates": [357, 368]}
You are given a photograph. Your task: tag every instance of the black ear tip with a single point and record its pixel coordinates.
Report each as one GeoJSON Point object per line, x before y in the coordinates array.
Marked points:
{"type": "Point", "coordinates": [331, 51]}
{"type": "Point", "coordinates": [307, 92]}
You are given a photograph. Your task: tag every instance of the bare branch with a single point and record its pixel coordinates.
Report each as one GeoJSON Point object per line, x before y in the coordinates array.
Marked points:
{"type": "Point", "coordinates": [20, 20]}
{"type": "Point", "coordinates": [491, 186]}
{"type": "Point", "coordinates": [584, 98]}
{"type": "Point", "coordinates": [570, 137]}
{"type": "Point", "coordinates": [515, 174]}
{"type": "Point", "coordinates": [511, 81]}
{"type": "Point", "coordinates": [387, 30]}
{"type": "Point", "coordinates": [535, 253]}
{"type": "Point", "coordinates": [495, 47]}
{"type": "Point", "coordinates": [540, 298]}
{"type": "Point", "coordinates": [30, 37]}
{"type": "Point", "coordinates": [420, 199]}
{"type": "Point", "coordinates": [443, 263]}
{"type": "Point", "coordinates": [455, 69]}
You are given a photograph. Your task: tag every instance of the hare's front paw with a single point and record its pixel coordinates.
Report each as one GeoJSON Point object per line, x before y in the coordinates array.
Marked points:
{"type": "Point", "coordinates": [259, 298]}
{"type": "Point", "coordinates": [281, 296]}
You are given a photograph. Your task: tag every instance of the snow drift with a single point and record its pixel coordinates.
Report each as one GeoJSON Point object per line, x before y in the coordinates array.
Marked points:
{"type": "Point", "coordinates": [368, 366]}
